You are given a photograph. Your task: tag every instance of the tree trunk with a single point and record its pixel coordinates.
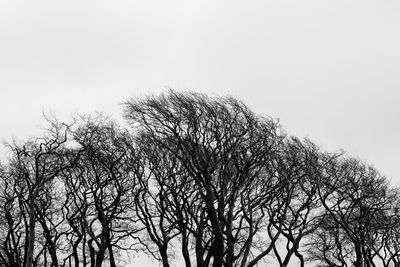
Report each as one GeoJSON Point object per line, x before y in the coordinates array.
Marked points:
{"type": "Point", "coordinates": [100, 254]}
{"type": "Point", "coordinates": [299, 256]}
{"type": "Point", "coordinates": [185, 251]}
{"type": "Point", "coordinates": [359, 257]}
{"type": "Point", "coordinates": [110, 252]}
{"type": "Point", "coordinates": [199, 247]}
{"type": "Point", "coordinates": [164, 256]}
{"type": "Point", "coordinates": [31, 234]}
{"type": "Point", "coordinates": [218, 244]}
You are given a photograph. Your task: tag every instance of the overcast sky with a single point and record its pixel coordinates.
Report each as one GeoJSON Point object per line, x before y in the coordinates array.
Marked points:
{"type": "Point", "coordinates": [329, 70]}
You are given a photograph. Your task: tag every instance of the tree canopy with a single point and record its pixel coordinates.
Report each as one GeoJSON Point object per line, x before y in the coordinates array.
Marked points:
{"type": "Point", "coordinates": [194, 179]}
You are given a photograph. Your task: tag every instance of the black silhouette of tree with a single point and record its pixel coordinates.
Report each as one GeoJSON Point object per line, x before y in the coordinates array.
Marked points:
{"type": "Point", "coordinates": [356, 199]}
{"type": "Point", "coordinates": [226, 150]}
{"type": "Point", "coordinates": [33, 168]}
{"type": "Point", "coordinates": [99, 193]}
{"type": "Point", "coordinates": [197, 178]}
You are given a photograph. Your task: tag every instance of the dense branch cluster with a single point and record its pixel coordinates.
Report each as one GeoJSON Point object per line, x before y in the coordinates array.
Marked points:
{"type": "Point", "coordinates": [194, 181]}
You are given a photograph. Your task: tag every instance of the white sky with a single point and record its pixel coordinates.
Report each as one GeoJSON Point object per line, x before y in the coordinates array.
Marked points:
{"type": "Point", "coordinates": [328, 69]}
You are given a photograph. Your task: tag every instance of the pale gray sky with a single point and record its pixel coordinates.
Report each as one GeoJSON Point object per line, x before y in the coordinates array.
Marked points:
{"type": "Point", "coordinates": [328, 69]}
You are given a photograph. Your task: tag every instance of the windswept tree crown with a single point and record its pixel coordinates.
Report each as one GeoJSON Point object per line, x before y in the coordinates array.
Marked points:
{"type": "Point", "coordinates": [193, 179]}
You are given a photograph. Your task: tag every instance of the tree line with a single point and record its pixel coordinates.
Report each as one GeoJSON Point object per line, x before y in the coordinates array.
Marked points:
{"type": "Point", "coordinates": [191, 178]}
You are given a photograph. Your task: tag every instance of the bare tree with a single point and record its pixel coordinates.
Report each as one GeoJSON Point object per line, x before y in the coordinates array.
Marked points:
{"type": "Point", "coordinates": [155, 174]}
{"type": "Point", "coordinates": [222, 145]}
{"type": "Point", "coordinates": [35, 164]}
{"type": "Point", "coordinates": [356, 198]}
{"type": "Point", "coordinates": [299, 213]}
{"type": "Point", "coordinates": [199, 178]}
{"type": "Point", "coordinates": [12, 221]}
{"type": "Point", "coordinates": [107, 181]}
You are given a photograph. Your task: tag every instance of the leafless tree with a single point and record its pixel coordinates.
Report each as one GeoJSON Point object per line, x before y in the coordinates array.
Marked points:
{"type": "Point", "coordinates": [34, 165]}
{"type": "Point", "coordinates": [356, 198]}
{"type": "Point", "coordinates": [299, 213]}
{"type": "Point", "coordinates": [102, 193]}
{"type": "Point", "coordinates": [12, 221]}
{"type": "Point", "coordinates": [200, 178]}
{"type": "Point", "coordinates": [223, 146]}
